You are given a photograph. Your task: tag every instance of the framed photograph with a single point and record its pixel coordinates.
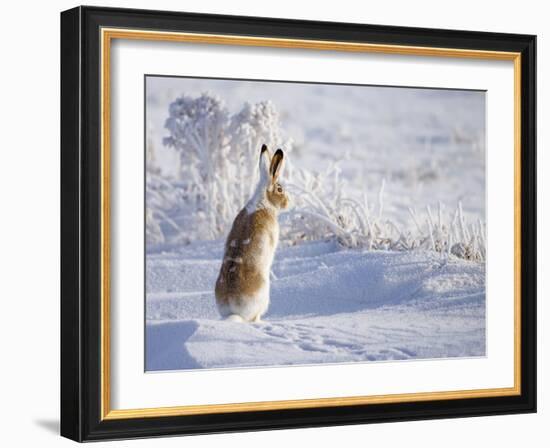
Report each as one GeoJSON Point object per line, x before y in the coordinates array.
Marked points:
{"type": "Point", "coordinates": [273, 223]}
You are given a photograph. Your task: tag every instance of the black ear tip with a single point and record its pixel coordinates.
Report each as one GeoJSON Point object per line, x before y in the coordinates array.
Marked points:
{"type": "Point", "coordinates": [264, 148]}
{"type": "Point", "coordinates": [279, 152]}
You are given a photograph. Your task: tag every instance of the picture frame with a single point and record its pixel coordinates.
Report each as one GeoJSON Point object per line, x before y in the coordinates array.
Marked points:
{"type": "Point", "coordinates": [87, 35]}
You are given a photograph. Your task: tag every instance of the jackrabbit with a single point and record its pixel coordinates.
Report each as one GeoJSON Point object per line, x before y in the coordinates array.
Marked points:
{"type": "Point", "coordinates": [242, 288]}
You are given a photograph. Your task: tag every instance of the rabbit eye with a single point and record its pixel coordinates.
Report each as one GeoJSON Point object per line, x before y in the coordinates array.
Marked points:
{"type": "Point", "coordinates": [279, 189]}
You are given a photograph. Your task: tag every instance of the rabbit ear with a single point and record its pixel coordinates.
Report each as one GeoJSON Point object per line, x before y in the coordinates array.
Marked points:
{"type": "Point", "coordinates": [277, 163]}
{"type": "Point", "coordinates": [265, 160]}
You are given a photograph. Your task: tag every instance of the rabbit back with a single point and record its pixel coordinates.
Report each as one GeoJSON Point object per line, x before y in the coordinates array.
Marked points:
{"type": "Point", "coordinates": [242, 287]}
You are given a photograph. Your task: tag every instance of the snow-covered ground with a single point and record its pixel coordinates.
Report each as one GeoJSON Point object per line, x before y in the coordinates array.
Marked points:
{"type": "Point", "coordinates": [327, 305]}
{"type": "Point", "coordinates": [331, 304]}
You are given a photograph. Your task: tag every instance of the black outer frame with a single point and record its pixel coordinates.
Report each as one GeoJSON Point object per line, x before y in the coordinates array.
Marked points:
{"type": "Point", "coordinates": [80, 223]}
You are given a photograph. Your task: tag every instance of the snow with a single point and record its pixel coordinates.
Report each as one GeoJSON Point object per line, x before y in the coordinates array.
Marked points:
{"type": "Point", "coordinates": [328, 305]}
{"type": "Point", "coordinates": [407, 159]}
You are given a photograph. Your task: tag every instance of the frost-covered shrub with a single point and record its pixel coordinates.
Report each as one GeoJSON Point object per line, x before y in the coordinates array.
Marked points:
{"type": "Point", "coordinates": [324, 210]}
{"type": "Point", "coordinates": [198, 132]}
{"type": "Point", "coordinates": [217, 166]}
{"type": "Point", "coordinates": [197, 128]}
{"type": "Point", "coordinates": [253, 126]}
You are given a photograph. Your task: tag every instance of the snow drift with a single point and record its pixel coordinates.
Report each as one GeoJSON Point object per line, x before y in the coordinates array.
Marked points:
{"type": "Point", "coordinates": [327, 305]}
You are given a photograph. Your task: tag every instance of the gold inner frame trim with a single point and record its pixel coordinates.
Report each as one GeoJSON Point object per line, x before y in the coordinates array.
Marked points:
{"type": "Point", "coordinates": [107, 35]}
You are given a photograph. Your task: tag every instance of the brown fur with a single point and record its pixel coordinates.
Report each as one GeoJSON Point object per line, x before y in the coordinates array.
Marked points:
{"type": "Point", "coordinates": [277, 196]}
{"type": "Point", "coordinates": [241, 279]}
